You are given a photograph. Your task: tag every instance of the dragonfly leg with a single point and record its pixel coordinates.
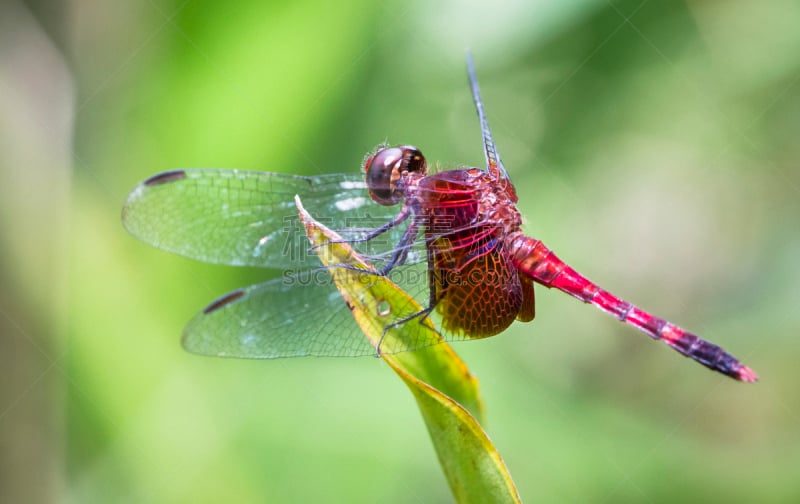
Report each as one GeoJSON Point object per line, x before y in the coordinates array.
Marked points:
{"type": "Point", "coordinates": [421, 315]}
{"type": "Point", "coordinates": [433, 299]}
{"type": "Point", "coordinates": [400, 253]}
{"type": "Point", "coordinates": [404, 213]}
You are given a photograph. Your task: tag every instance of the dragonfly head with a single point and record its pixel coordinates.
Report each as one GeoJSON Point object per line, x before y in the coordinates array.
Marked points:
{"type": "Point", "coordinates": [387, 170]}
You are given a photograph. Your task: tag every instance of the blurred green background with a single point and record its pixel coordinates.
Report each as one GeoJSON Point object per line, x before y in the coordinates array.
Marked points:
{"type": "Point", "coordinates": [653, 145]}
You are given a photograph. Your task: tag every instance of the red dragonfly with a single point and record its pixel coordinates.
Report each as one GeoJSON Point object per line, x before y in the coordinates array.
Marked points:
{"type": "Point", "coordinates": [462, 233]}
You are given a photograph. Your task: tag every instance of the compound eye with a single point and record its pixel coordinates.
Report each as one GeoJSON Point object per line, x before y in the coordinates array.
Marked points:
{"type": "Point", "coordinates": [384, 169]}
{"type": "Point", "coordinates": [414, 160]}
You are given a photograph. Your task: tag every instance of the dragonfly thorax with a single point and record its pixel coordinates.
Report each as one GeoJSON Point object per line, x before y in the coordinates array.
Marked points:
{"type": "Point", "coordinates": [388, 170]}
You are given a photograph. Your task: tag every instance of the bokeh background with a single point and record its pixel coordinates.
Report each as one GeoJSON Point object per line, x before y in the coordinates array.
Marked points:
{"type": "Point", "coordinates": [654, 145]}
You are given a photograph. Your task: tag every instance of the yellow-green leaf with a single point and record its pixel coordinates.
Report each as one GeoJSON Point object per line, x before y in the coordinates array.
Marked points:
{"type": "Point", "coordinates": [445, 390]}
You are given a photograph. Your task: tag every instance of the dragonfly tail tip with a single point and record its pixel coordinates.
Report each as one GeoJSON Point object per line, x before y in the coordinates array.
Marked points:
{"type": "Point", "coordinates": [746, 374]}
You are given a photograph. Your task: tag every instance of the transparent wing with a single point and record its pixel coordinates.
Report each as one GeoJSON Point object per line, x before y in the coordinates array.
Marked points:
{"type": "Point", "coordinates": [247, 218]}
{"type": "Point", "coordinates": [277, 319]}
{"type": "Point", "coordinates": [233, 217]}
{"type": "Point", "coordinates": [295, 316]}
{"type": "Point", "coordinates": [493, 162]}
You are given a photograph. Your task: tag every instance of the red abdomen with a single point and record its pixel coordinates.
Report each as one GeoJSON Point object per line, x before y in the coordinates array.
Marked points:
{"type": "Point", "coordinates": [535, 260]}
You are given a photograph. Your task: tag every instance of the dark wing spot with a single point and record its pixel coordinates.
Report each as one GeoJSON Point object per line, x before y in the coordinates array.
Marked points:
{"type": "Point", "coordinates": [227, 298]}
{"type": "Point", "coordinates": [163, 178]}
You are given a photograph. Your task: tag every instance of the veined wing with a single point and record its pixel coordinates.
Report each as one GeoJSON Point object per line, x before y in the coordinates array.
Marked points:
{"type": "Point", "coordinates": [248, 218]}
{"type": "Point", "coordinates": [298, 315]}
{"type": "Point", "coordinates": [493, 162]}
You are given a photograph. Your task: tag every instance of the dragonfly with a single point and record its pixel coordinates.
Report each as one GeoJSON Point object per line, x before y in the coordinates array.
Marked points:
{"type": "Point", "coordinates": [457, 237]}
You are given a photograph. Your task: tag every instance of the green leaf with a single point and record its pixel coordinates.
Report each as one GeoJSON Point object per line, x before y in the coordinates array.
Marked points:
{"type": "Point", "coordinates": [445, 390]}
